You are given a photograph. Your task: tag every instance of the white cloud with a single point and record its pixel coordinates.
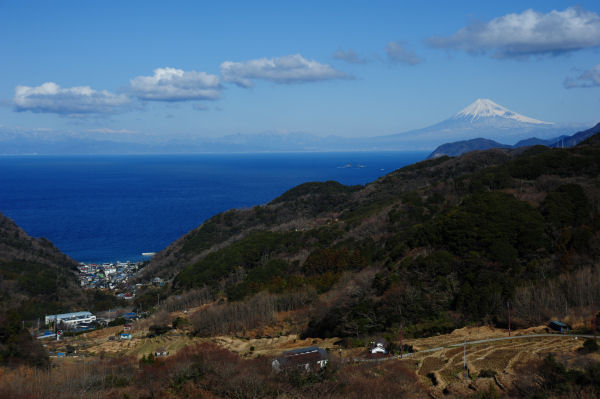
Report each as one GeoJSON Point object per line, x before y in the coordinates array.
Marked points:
{"type": "Point", "coordinates": [287, 69]}
{"type": "Point", "coordinates": [528, 33]}
{"type": "Point", "coordinates": [589, 78]}
{"type": "Point", "coordinates": [398, 52]}
{"type": "Point", "coordinates": [170, 84]}
{"type": "Point", "coordinates": [112, 131]}
{"type": "Point", "coordinates": [73, 101]}
{"type": "Point", "coordinates": [349, 56]}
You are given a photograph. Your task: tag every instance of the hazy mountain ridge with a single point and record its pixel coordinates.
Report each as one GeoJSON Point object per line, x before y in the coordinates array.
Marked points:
{"type": "Point", "coordinates": [478, 144]}
{"type": "Point", "coordinates": [460, 147]}
{"type": "Point", "coordinates": [483, 118]}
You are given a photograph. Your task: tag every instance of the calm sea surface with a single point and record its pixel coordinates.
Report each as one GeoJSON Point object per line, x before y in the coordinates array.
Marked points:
{"type": "Point", "coordinates": [108, 208]}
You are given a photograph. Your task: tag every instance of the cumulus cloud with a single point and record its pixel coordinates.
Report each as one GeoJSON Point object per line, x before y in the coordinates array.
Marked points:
{"type": "Point", "coordinates": [528, 33]}
{"type": "Point", "coordinates": [73, 101]}
{"type": "Point", "coordinates": [398, 52]}
{"type": "Point", "coordinates": [171, 84]}
{"type": "Point", "coordinates": [287, 69]}
{"type": "Point", "coordinates": [349, 56]}
{"type": "Point", "coordinates": [589, 78]}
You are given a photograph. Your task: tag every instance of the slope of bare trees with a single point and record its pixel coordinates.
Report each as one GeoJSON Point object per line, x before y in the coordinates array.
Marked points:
{"type": "Point", "coordinates": [559, 297]}
{"type": "Point", "coordinates": [233, 317]}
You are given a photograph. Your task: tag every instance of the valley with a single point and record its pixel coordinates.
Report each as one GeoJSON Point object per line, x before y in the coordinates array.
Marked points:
{"type": "Point", "coordinates": [438, 362]}
{"type": "Point", "coordinates": [429, 258]}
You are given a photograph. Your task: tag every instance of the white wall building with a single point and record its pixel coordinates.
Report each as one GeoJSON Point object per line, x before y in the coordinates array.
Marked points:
{"type": "Point", "coordinates": [71, 319]}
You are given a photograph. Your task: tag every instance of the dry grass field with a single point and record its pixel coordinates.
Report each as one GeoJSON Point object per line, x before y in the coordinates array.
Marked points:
{"type": "Point", "coordinates": [441, 369]}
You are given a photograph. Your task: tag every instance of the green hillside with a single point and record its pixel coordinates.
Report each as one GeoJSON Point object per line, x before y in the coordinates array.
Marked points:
{"type": "Point", "coordinates": [431, 246]}
{"type": "Point", "coordinates": [35, 279]}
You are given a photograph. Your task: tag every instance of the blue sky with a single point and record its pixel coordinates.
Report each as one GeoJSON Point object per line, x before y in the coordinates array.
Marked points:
{"type": "Point", "coordinates": [348, 68]}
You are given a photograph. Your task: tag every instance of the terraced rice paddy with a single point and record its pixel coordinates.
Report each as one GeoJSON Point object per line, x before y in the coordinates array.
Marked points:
{"type": "Point", "coordinates": [444, 369]}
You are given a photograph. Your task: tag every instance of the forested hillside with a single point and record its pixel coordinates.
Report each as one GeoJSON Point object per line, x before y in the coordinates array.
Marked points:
{"type": "Point", "coordinates": [35, 276]}
{"type": "Point", "coordinates": [35, 279]}
{"type": "Point", "coordinates": [429, 247]}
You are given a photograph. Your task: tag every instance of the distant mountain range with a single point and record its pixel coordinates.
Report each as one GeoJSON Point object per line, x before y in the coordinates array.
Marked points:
{"type": "Point", "coordinates": [482, 119]}
{"type": "Point", "coordinates": [460, 147]}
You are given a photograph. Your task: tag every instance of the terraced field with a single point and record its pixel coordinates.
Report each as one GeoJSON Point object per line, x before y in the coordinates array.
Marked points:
{"type": "Point", "coordinates": [439, 360]}
{"type": "Point", "coordinates": [443, 370]}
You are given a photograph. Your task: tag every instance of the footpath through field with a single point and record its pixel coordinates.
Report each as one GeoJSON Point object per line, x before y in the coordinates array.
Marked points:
{"type": "Point", "coordinates": [479, 341]}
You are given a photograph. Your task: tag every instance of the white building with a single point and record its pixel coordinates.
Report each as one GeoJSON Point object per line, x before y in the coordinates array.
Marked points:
{"type": "Point", "coordinates": [379, 346]}
{"type": "Point", "coordinates": [71, 319]}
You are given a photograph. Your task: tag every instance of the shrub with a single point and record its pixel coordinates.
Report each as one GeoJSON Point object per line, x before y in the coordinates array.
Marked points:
{"type": "Point", "coordinates": [119, 321]}
{"type": "Point", "coordinates": [487, 373]}
{"type": "Point", "coordinates": [159, 329]}
{"type": "Point", "coordinates": [590, 346]}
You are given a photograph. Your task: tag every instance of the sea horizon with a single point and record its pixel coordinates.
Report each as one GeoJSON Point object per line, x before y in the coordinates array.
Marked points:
{"type": "Point", "coordinates": [112, 207]}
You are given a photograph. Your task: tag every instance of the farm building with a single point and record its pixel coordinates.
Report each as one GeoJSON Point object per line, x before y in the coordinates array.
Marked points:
{"type": "Point", "coordinates": [309, 358]}
{"type": "Point", "coordinates": [71, 319]}
{"type": "Point", "coordinates": [379, 346]}
{"type": "Point", "coordinates": [556, 325]}
{"type": "Point", "coordinates": [160, 352]}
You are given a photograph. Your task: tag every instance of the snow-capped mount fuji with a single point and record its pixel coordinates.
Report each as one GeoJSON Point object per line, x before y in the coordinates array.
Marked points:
{"type": "Point", "coordinates": [484, 108]}
{"type": "Point", "coordinates": [482, 119]}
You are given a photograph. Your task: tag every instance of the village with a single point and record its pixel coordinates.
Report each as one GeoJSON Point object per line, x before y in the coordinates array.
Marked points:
{"type": "Point", "coordinates": [451, 361]}
{"type": "Point", "coordinates": [109, 276]}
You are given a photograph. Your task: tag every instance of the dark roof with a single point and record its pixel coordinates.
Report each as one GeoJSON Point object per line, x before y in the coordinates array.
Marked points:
{"type": "Point", "coordinates": [302, 356]}
{"type": "Point", "coordinates": [301, 350]}
{"type": "Point", "coordinates": [559, 323]}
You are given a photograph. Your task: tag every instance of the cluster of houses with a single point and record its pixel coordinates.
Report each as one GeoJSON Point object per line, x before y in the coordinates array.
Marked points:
{"type": "Point", "coordinates": [106, 275]}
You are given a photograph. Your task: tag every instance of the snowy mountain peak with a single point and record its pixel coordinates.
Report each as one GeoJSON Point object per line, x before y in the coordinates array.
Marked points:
{"type": "Point", "coordinates": [485, 108]}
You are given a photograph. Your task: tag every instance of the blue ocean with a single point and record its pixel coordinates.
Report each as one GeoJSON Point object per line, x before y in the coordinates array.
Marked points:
{"type": "Point", "coordinates": [114, 207]}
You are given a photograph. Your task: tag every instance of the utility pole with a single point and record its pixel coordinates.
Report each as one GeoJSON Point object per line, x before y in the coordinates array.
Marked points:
{"type": "Point", "coordinates": [401, 344]}
{"type": "Point", "coordinates": [465, 358]}
{"type": "Point", "coordinates": [508, 307]}
{"type": "Point", "coordinates": [594, 326]}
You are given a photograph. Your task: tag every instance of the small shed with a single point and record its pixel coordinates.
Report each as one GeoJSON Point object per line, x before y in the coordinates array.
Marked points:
{"type": "Point", "coordinates": [379, 346]}
{"type": "Point", "coordinates": [559, 326]}
{"type": "Point", "coordinates": [161, 352]}
{"type": "Point", "coordinates": [311, 358]}
{"type": "Point", "coordinates": [46, 334]}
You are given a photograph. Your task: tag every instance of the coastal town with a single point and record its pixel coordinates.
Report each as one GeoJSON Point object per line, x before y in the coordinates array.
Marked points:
{"type": "Point", "coordinates": [110, 276]}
